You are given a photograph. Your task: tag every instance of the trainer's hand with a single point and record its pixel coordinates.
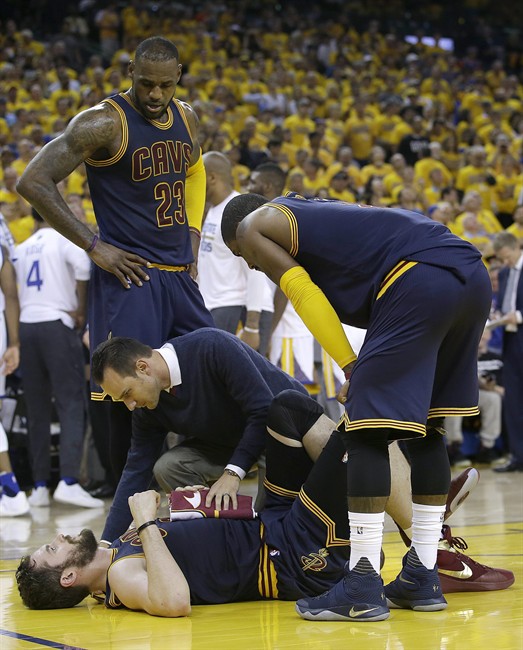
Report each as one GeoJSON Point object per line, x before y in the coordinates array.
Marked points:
{"type": "Point", "coordinates": [126, 266]}
{"type": "Point", "coordinates": [224, 493]}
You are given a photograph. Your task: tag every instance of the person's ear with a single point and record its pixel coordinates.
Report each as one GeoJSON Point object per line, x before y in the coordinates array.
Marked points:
{"type": "Point", "coordinates": [142, 366]}
{"type": "Point", "coordinates": [68, 577]}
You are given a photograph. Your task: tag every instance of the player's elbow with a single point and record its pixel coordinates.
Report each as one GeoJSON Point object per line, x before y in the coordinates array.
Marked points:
{"type": "Point", "coordinates": [22, 187]}
{"type": "Point", "coordinates": [174, 607]}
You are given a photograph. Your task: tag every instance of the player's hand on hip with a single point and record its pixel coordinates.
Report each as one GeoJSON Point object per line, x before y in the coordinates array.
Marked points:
{"type": "Point", "coordinates": [342, 393]}
{"type": "Point", "coordinates": [224, 493]}
{"type": "Point", "coordinates": [125, 265]}
{"type": "Point", "coordinates": [193, 271]}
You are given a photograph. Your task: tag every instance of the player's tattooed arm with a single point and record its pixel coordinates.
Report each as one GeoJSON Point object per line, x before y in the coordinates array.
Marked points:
{"type": "Point", "coordinates": [89, 133]}
{"type": "Point", "coordinates": [95, 133]}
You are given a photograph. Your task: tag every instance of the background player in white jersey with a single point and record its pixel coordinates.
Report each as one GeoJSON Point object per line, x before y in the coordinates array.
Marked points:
{"type": "Point", "coordinates": [227, 285]}
{"type": "Point", "coordinates": [53, 275]}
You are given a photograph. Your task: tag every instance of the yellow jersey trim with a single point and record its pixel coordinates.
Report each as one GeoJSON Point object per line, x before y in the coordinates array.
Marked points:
{"type": "Point", "coordinates": [378, 423]}
{"type": "Point", "coordinates": [276, 489]}
{"type": "Point", "coordinates": [159, 125]}
{"type": "Point", "coordinates": [293, 225]}
{"type": "Point", "coordinates": [331, 539]}
{"type": "Point", "coordinates": [98, 397]}
{"type": "Point", "coordinates": [165, 267]}
{"type": "Point", "coordinates": [123, 145]}
{"type": "Point", "coordinates": [391, 277]}
{"type": "Point", "coordinates": [181, 111]}
{"type": "Point", "coordinates": [453, 410]}
{"type": "Point", "coordinates": [267, 577]}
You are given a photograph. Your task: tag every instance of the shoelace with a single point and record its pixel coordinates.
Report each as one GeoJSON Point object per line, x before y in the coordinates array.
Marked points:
{"type": "Point", "coordinates": [459, 542]}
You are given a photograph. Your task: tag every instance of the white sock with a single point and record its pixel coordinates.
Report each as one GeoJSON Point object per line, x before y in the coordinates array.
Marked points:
{"type": "Point", "coordinates": [366, 536]}
{"type": "Point", "coordinates": [426, 532]}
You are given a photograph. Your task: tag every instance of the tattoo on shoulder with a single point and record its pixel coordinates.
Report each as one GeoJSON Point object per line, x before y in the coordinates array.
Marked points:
{"type": "Point", "coordinates": [96, 131]}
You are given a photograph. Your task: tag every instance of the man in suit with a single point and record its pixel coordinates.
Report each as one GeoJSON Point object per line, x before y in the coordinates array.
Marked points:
{"type": "Point", "coordinates": [508, 251]}
{"type": "Point", "coordinates": [207, 386]}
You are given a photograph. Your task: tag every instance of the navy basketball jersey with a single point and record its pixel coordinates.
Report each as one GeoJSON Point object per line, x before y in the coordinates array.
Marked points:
{"type": "Point", "coordinates": [219, 557]}
{"type": "Point", "coordinates": [139, 194]}
{"type": "Point", "coordinates": [349, 250]}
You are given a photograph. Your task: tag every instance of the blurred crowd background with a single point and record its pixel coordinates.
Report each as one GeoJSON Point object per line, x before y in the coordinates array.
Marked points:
{"type": "Point", "coordinates": [393, 103]}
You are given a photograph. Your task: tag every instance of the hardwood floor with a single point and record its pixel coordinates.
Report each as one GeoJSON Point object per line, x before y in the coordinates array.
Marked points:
{"type": "Point", "coordinates": [491, 521]}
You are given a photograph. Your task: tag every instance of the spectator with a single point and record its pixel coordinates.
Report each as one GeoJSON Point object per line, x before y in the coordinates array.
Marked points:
{"type": "Point", "coordinates": [53, 274]}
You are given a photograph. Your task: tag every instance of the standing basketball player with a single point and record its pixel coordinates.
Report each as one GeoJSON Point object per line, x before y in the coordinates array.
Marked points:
{"type": "Point", "coordinates": [147, 183]}
{"type": "Point", "coordinates": [424, 296]}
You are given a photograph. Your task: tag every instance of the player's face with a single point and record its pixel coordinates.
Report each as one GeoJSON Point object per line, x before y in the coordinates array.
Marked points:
{"type": "Point", "coordinates": [140, 390]}
{"type": "Point", "coordinates": [75, 551]}
{"type": "Point", "coordinates": [154, 84]}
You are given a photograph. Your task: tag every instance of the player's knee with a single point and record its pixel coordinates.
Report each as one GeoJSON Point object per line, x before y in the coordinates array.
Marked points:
{"type": "Point", "coordinates": [291, 414]}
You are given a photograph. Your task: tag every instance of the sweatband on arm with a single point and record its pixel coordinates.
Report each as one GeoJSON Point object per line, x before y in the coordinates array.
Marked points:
{"type": "Point", "coordinates": [195, 194]}
{"type": "Point", "coordinates": [317, 313]}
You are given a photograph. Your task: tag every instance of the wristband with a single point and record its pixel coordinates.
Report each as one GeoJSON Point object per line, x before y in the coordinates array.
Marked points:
{"type": "Point", "coordinates": [92, 246]}
{"type": "Point", "coordinates": [231, 472]}
{"type": "Point", "coordinates": [147, 523]}
{"type": "Point", "coordinates": [251, 330]}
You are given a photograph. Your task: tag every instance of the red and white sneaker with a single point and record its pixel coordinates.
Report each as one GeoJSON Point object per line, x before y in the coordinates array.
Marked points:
{"type": "Point", "coordinates": [458, 572]}
{"type": "Point", "coordinates": [460, 488]}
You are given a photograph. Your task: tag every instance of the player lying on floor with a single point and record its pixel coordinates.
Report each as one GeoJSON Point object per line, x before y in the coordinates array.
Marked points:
{"type": "Point", "coordinates": [297, 547]}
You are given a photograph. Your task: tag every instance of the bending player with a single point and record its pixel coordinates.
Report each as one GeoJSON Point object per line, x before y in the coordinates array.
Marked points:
{"type": "Point", "coordinates": [297, 547]}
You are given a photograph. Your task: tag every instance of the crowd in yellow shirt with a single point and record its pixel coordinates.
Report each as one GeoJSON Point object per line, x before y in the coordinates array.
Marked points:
{"type": "Point", "coordinates": [357, 115]}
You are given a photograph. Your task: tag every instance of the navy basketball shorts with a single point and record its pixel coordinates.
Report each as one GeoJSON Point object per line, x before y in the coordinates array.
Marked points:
{"type": "Point", "coordinates": [168, 305]}
{"type": "Point", "coordinates": [305, 520]}
{"type": "Point", "coordinates": [419, 358]}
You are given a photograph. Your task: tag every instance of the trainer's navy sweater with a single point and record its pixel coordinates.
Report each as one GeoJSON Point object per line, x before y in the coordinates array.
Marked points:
{"type": "Point", "coordinates": [225, 392]}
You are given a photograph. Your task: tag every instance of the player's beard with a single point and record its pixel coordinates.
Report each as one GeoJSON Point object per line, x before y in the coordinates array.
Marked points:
{"type": "Point", "coordinates": [142, 108]}
{"type": "Point", "coordinates": [85, 548]}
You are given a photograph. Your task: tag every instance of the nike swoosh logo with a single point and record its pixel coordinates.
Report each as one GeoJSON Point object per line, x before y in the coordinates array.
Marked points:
{"type": "Point", "coordinates": [402, 579]}
{"type": "Point", "coordinates": [464, 574]}
{"type": "Point", "coordinates": [195, 500]}
{"type": "Point", "coordinates": [356, 613]}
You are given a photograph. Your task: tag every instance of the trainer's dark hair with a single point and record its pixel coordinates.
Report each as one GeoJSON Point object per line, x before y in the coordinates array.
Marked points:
{"type": "Point", "coordinates": [119, 353]}
{"type": "Point", "coordinates": [274, 175]}
{"type": "Point", "coordinates": [156, 48]}
{"type": "Point", "coordinates": [235, 212]}
{"type": "Point", "coordinates": [40, 587]}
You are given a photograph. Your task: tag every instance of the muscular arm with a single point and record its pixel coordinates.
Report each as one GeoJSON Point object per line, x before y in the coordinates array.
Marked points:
{"type": "Point", "coordinates": [155, 584]}
{"type": "Point", "coordinates": [94, 130]}
{"type": "Point", "coordinates": [90, 131]}
{"type": "Point", "coordinates": [263, 239]}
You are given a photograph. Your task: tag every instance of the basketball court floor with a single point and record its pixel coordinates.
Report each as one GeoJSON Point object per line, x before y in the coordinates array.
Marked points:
{"type": "Point", "coordinates": [491, 521]}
